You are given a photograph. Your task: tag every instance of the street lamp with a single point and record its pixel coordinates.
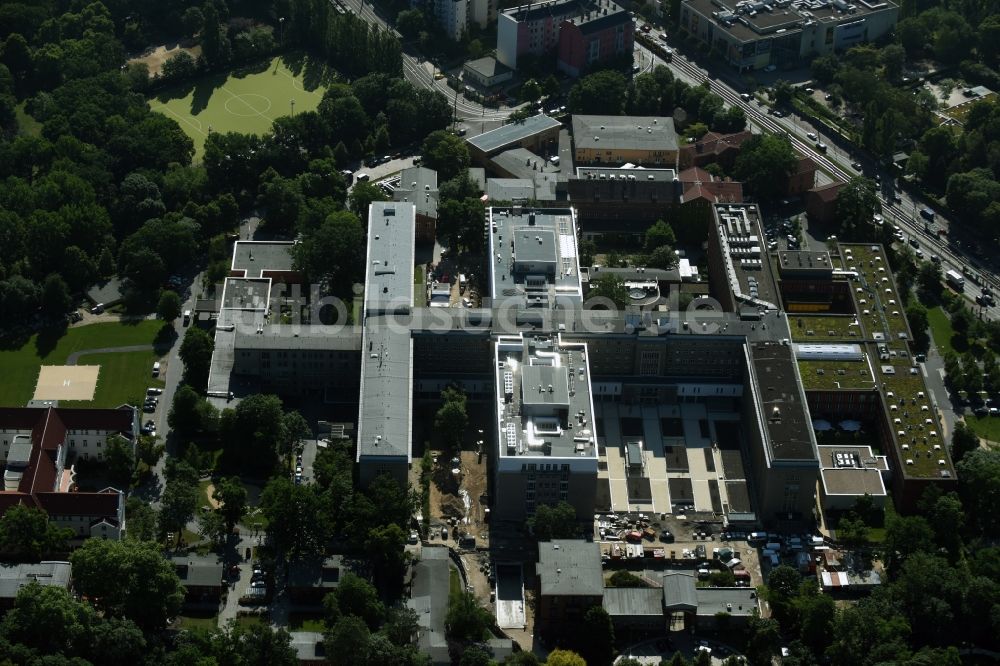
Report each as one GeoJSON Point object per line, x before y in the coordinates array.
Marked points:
{"type": "Point", "coordinates": [293, 106]}
{"type": "Point", "coordinates": [281, 30]}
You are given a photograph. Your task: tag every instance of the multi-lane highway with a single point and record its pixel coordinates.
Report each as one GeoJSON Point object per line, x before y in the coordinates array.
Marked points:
{"type": "Point", "coordinates": [899, 214]}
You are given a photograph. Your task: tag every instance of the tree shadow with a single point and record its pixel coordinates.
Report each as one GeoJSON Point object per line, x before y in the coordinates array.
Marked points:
{"type": "Point", "coordinates": [295, 61]}
{"type": "Point", "coordinates": [317, 74]}
{"type": "Point", "coordinates": [959, 343]}
{"type": "Point", "coordinates": [179, 91]}
{"type": "Point", "coordinates": [48, 338]}
{"type": "Point", "coordinates": [165, 339]}
{"type": "Point", "coordinates": [204, 88]}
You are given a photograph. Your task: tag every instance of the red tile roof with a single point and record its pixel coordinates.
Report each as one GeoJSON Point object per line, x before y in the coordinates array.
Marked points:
{"type": "Point", "coordinates": [826, 193]}
{"type": "Point", "coordinates": [48, 431]}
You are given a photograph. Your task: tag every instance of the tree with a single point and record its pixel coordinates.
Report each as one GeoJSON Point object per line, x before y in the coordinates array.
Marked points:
{"type": "Point", "coordinates": [255, 643]}
{"type": "Point", "coordinates": [356, 597]}
{"type": "Point", "coordinates": [763, 638]}
{"type": "Point", "coordinates": [600, 93]}
{"type": "Point", "coordinates": [334, 252]}
{"type": "Point", "coordinates": [401, 626]}
{"type": "Point", "coordinates": [451, 418]}
{"type": "Point", "coordinates": [214, 44]}
{"type": "Point", "coordinates": [141, 519]}
{"type": "Point", "coordinates": [460, 223]}
{"type": "Point", "coordinates": [298, 519]}
{"type": "Point", "coordinates": [56, 300]}
{"type": "Point", "coordinates": [361, 197]}
{"type": "Point", "coordinates": [856, 204]}
{"type": "Point", "coordinates": [466, 621]}
{"type": "Point", "coordinates": [295, 428]}
{"type": "Point", "coordinates": [128, 579]}
{"type": "Point", "coordinates": [564, 658]}
{"type": "Point", "coordinates": [47, 619]}
{"type": "Point", "coordinates": [119, 461]}
{"type": "Point", "coordinates": [257, 428]}
{"type": "Point", "coordinates": [979, 488]}
{"type": "Point", "coordinates": [475, 656]}
{"type": "Point", "coordinates": [531, 91]}
{"type": "Point", "coordinates": [893, 58]}
{"type": "Point", "coordinates": [596, 642]}
{"type": "Point", "coordinates": [190, 413]}
{"type": "Point", "coordinates": [26, 533]}
{"type": "Point", "coordinates": [169, 307]}
{"type": "Point", "coordinates": [610, 287]}
{"type": "Point", "coordinates": [410, 22]}
{"type": "Point", "coordinates": [178, 505]}
{"type": "Point", "coordinates": [963, 440]}
{"type": "Point", "coordinates": [554, 522]}
{"type": "Point", "coordinates": [852, 530]}
{"type": "Point", "coordinates": [623, 578]}
{"type": "Point", "coordinates": [765, 164]}
{"type": "Point", "coordinates": [196, 354]}
{"type": "Point", "coordinates": [782, 92]}
{"type": "Point", "coordinates": [445, 153]}
{"type": "Point", "coordinates": [929, 286]}
{"type": "Point", "coordinates": [231, 495]}
{"type": "Point", "coordinates": [347, 641]}
{"type": "Point", "coordinates": [916, 317]}
{"type": "Point", "coordinates": [193, 20]}
{"type": "Point", "coordinates": [211, 526]}
{"type": "Point", "coordinates": [659, 235]}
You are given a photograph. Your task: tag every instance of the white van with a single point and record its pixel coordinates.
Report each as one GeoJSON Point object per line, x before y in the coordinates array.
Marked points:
{"type": "Point", "coordinates": [187, 317]}
{"type": "Point", "coordinates": [156, 369]}
{"type": "Point", "coordinates": [362, 178]}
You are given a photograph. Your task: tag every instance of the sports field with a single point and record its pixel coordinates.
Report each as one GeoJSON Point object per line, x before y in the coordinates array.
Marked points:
{"type": "Point", "coordinates": [123, 376]}
{"type": "Point", "coordinates": [245, 100]}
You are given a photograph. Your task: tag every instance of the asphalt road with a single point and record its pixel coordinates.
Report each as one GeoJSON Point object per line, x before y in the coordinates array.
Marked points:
{"type": "Point", "coordinates": [837, 162]}
{"type": "Point", "coordinates": [416, 71]}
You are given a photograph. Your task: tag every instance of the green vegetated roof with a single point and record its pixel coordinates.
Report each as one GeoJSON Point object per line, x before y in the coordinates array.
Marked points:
{"type": "Point", "coordinates": [830, 375]}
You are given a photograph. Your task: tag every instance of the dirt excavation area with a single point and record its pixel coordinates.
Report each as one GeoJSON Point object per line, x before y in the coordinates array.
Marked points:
{"type": "Point", "coordinates": [155, 57]}
{"type": "Point", "coordinates": [458, 498]}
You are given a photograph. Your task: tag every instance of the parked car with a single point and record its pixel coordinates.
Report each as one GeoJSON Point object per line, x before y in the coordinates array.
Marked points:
{"type": "Point", "coordinates": [156, 369]}
{"type": "Point", "coordinates": [154, 391]}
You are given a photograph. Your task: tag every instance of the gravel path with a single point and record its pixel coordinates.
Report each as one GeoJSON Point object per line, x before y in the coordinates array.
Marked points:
{"type": "Point", "coordinates": [75, 356]}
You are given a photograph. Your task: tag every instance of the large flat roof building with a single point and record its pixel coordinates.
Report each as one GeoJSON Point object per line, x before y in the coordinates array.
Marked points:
{"type": "Point", "coordinates": [617, 140]}
{"type": "Point", "coordinates": [534, 133]}
{"type": "Point", "coordinates": [751, 35]}
{"type": "Point", "coordinates": [389, 264]}
{"type": "Point", "coordinates": [546, 433]}
{"type": "Point", "coordinates": [534, 260]}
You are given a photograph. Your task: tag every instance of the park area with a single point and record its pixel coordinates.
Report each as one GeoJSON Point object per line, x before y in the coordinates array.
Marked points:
{"type": "Point", "coordinates": [246, 100]}
{"type": "Point", "coordinates": [123, 376]}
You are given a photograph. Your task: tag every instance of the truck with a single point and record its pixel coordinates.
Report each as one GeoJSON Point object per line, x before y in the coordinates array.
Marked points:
{"type": "Point", "coordinates": [955, 280]}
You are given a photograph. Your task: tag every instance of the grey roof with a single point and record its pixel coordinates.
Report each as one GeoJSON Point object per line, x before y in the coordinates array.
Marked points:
{"type": "Point", "coordinates": [740, 601]}
{"type": "Point", "coordinates": [254, 257]}
{"type": "Point", "coordinates": [633, 601]}
{"type": "Point", "coordinates": [510, 189]}
{"type": "Point", "coordinates": [521, 163]}
{"type": "Point", "coordinates": [514, 239]}
{"type": "Point", "coordinates": [624, 132]}
{"type": "Point", "coordinates": [570, 567]}
{"type": "Point", "coordinates": [621, 173]}
{"type": "Point", "coordinates": [419, 186]}
{"type": "Point", "coordinates": [246, 294]}
{"type": "Point", "coordinates": [308, 646]}
{"type": "Point", "coordinates": [289, 337]}
{"type": "Point", "coordinates": [542, 10]}
{"type": "Point", "coordinates": [20, 451]}
{"type": "Point", "coordinates": [547, 410]}
{"type": "Point", "coordinates": [679, 591]}
{"type": "Point", "coordinates": [198, 571]}
{"type": "Point", "coordinates": [488, 67]}
{"type": "Point", "coordinates": [315, 572]}
{"type": "Point", "coordinates": [429, 598]}
{"type": "Point", "coordinates": [512, 133]}
{"type": "Point", "coordinates": [15, 576]}
{"type": "Point", "coordinates": [389, 265]}
{"type": "Point", "coordinates": [787, 423]}
{"type": "Point", "coordinates": [597, 21]}
{"type": "Point", "coordinates": [384, 420]}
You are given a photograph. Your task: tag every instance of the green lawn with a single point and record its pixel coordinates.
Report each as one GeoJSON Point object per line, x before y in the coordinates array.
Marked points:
{"type": "Point", "coordinates": [419, 288]}
{"type": "Point", "coordinates": [454, 582]}
{"type": "Point", "coordinates": [987, 427]}
{"type": "Point", "coordinates": [25, 123]}
{"type": "Point", "coordinates": [827, 375]}
{"type": "Point", "coordinates": [306, 622]}
{"type": "Point", "coordinates": [205, 621]}
{"type": "Point", "coordinates": [816, 328]}
{"type": "Point", "coordinates": [941, 329]}
{"type": "Point", "coordinates": [125, 376]}
{"type": "Point", "coordinates": [246, 100]}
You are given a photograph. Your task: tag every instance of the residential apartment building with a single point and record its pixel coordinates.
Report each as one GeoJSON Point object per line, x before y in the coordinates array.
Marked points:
{"type": "Point", "coordinates": [455, 16]}
{"type": "Point", "coordinates": [578, 32]}
{"type": "Point", "coordinates": [39, 448]}
{"type": "Point", "coordinates": [751, 35]}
